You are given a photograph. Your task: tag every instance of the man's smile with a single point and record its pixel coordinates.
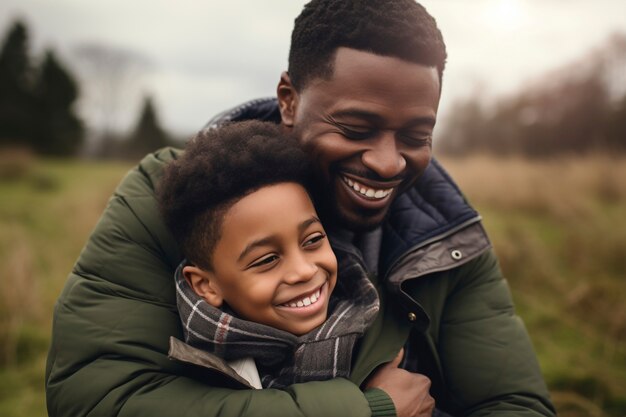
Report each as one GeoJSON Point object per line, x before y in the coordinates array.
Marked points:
{"type": "Point", "coordinates": [370, 191]}
{"type": "Point", "coordinates": [368, 194]}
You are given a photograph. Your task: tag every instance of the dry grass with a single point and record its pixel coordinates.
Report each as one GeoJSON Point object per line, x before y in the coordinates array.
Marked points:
{"type": "Point", "coordinates": [18, 293]}
{"type": "Point", "coordinates": [568, 187]}
{"type": "Point", "coordinates": [15, 163]}
{"type": "Point", "coordinates": [557, 226]}
{"type": "Point", "coordinates": [46, 215]}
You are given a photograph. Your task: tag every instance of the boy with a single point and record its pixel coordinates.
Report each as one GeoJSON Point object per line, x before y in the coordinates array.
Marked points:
{"type": "Point", "coordinates": [260, 276]}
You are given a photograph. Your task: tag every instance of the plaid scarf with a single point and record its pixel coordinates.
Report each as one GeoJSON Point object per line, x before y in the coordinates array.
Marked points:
{"type": "Point", "coordinates": [282, 358]}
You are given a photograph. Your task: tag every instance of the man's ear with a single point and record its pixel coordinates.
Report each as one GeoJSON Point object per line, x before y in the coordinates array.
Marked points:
{"type": "Point", "coordinates": [287, 99]}
{"type": "Point", "coordinates": [204, 284]}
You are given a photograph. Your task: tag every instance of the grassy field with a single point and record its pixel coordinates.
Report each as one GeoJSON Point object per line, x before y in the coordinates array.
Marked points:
{"type": "Point", "coordinates": [557, 226]}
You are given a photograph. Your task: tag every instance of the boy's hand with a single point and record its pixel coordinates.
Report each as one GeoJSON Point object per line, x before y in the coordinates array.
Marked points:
{"type": "Point", "coordinates": [408, 391]}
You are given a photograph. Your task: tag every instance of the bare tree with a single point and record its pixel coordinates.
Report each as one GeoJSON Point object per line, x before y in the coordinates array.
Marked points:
{"type": "Point", "coordinates": [614, 65]}
{"type": "Point", "coordinates": [579, 107]}
{"type": "Point", "coordinates": [111, 78]}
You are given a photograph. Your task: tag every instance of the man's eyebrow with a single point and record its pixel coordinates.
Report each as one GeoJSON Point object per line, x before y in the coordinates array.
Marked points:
{"type": "Point", "coordinates": [267, 240]}
{"type": "Point", "coordinates": [376, 119]}
{"type": "Point", "coordinates": [358, 114]}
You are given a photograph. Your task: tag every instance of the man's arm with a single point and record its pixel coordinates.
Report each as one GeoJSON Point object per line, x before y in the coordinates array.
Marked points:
{"type": "Point", "coordinates": [409, 391]}
{"type": "Point", "coordinates": [488, 362]}
{"type": "Point", "coordinates": [108, 360]}
{"type": "Point", "coordinates": [112, 323]}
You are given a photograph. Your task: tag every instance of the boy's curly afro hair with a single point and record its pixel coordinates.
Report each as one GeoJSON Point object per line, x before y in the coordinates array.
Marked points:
{"type": "Point", "coordinates": [396, 28]}
{"type": "Point", "coordinates": [218, 168]}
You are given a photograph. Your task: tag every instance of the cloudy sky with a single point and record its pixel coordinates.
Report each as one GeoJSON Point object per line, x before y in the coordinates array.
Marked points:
{"type": "Point", "coordinates": [199, 57]}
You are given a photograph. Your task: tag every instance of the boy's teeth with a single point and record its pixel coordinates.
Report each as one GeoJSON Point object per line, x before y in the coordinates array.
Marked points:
{"type": "Point", "coordinates": [367, 192]}
{"type": "Point", "coordinates": [306, 301]}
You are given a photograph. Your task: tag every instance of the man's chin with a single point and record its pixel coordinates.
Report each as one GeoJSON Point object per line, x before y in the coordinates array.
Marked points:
{"type": "Point", "coordinates": [355, 219]}
{"type": "Point", "coordinates": [358, 222]}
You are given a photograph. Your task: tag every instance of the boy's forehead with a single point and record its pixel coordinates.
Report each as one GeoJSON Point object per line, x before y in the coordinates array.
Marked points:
{"type": "Point", "coordinates": [268, 208]}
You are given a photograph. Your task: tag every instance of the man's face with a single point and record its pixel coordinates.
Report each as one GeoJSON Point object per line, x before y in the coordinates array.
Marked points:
{"type": "Point", "coordinates": [368, 129]}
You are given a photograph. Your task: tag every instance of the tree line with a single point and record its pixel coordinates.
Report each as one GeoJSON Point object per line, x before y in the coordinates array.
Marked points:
{"type": "Point", "coordinates": [38, 106]}
{"type": "Point", "coordinates": [578, 108]}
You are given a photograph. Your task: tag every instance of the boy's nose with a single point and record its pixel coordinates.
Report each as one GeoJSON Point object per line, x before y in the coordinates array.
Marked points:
{"type": "Point", "coordinates": [300, 269]}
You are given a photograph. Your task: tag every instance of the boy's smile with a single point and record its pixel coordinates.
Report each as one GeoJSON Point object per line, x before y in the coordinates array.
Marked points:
{"type": "Point", "coordinates": [273, 263]}
{"type": "Point", "coordinates": [310, 303]}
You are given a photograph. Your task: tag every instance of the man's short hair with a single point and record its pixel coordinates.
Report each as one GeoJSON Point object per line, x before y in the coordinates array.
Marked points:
{"type": "Point", "coordinates": [395, 28]}
{"type": "Point", "coordinates": [218, 168]}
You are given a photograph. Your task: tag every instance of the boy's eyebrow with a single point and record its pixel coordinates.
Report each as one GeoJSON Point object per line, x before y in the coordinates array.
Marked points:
{"type": "Point", "coordinates": [267, 240]}
{"type": "Point", "coordinates": [252, 245]}
{"type": "Point", "coordinates": [307, 223]}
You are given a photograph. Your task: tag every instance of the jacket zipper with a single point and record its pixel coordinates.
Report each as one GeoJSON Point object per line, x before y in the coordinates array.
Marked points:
{"type": "Point", "coordinates": [407, 253]}
{"type": "Point", "coordinates": [348, 250]}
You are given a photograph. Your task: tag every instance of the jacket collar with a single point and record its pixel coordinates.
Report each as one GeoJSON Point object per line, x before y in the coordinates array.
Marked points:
{"type": "Point", "coordinates": [430, 211]}
{"type": "Point", "coordinates": [265, 109]}
{"type": "Point", "coordinates": [202, 360]}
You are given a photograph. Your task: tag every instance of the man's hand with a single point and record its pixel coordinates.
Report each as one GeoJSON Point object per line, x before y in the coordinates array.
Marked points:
{"type": "Point", "coordinates": [408, 391]}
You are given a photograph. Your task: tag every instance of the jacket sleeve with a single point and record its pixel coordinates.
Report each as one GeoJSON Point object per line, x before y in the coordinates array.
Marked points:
{"type": "Point", "coordinates": [113, 320]}
{"type": "Point", "coordinates": [487, 358]}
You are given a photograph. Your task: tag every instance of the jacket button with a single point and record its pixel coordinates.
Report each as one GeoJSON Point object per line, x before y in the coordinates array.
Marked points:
{"type": "Point", "coordinates": [456, 254]}
{"type": "Point", "coordinates": [412, 316]}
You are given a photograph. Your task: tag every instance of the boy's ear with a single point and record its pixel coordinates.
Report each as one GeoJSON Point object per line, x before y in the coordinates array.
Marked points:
{"type": "Point", "coordinates": [204, 284]}
{"type": "Point", "coordinates": [287, 99]}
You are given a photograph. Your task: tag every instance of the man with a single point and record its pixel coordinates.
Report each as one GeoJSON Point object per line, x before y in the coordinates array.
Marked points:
{"type": "Point", "coordinates": [361, 93]}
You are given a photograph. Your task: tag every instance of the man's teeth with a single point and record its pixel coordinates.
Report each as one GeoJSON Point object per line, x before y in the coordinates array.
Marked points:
{"type": "Point", "coordinates": [367, 192]}
{"type": "Point", "coordinates": [306, 301]}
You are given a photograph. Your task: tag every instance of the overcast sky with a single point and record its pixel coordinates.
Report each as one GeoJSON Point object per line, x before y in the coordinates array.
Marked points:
{"type": "Point", "coordinates": [200, 57]}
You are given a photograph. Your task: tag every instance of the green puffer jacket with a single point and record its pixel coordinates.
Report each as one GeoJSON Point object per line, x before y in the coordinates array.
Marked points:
{"type": "Point", "coordinates": [451, 310]}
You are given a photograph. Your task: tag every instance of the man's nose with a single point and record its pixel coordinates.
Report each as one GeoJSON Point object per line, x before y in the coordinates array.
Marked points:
{"type": "Point", "coordinates": [300, 269]}
{"type": "Point", "coordinates": [384, 158]}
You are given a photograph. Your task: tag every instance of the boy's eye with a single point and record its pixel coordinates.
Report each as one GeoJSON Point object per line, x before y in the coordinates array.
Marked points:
{"type": "Point", "coordinates": [314, 239]}
{"type": "Point", "coordinates": [266, 260]}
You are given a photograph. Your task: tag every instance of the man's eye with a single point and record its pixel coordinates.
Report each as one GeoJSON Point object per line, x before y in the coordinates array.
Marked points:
{"type": "Point", "coordinates": [314, 239]}
{"type": "Point", "coordinates": [266, 260]}
{"type": "Point", "coordinates": [357, 133]}
{"type": "Point", "coordinates": [417, 139]}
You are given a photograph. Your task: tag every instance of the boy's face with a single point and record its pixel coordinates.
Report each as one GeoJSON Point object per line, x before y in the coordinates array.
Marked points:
{"type": "Point", "coordinates": [273, 263]}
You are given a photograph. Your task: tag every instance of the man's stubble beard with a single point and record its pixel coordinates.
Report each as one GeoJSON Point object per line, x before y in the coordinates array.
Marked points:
{"type": "Point", "coordinates": [333, 217]}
